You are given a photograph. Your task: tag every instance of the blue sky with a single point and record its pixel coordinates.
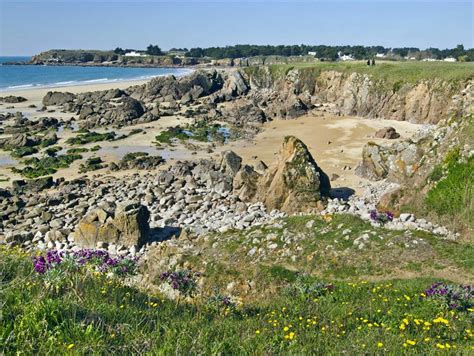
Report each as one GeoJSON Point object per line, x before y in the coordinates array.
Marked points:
{"type": "Point", "coordinates": [31, 26]}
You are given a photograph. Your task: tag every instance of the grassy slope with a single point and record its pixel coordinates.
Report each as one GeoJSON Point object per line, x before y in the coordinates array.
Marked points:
{"type": "Point", "coordinates": [90, 313]}
{"type": "Point", "coordinates": [391, 72]}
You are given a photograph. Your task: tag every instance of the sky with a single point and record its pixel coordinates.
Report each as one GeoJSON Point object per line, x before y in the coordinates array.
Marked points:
{"type": "Point", "coordinates": [31, 26]}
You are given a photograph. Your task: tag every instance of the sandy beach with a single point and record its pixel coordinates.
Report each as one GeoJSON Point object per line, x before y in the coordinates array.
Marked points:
{"type": "Point", "coordinates": [35, 95]}
{"type": "Point", "coordinates": [336, 142]}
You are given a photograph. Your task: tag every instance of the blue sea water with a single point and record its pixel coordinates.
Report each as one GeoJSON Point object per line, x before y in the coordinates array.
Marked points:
{"type": "Point", "coordinates": [34, 76]}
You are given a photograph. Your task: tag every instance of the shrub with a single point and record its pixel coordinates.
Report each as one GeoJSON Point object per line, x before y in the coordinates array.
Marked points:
{"type": "Point", "coordinates": [183, 281]}
{"type": "Point", "coordinates": [456, 297]}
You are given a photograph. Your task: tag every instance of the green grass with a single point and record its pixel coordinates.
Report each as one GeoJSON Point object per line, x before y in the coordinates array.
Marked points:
{"type": "Point", "coordinates": [91, 313]}
{"type": "Point", "coordinates": [38, 167]}
{"type": "Point", "coordinates": [452, 196]}
{"type": "Point", "coordinates": [23, 151]}
{"type": "Point", "coordinates": [393, 73]}
{"type": "Point", "coordinates": [91, 164]}
{"type": "Point", "coordinates": [91, 136]}
{"type": "Point", "coordinates": [201, 131]}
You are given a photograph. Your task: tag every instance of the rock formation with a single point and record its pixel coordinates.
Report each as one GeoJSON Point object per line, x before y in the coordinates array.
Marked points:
{"type": "Point", "coordinates": [127, 226]}
{"type": "Point", "coordinates": [295, 183]}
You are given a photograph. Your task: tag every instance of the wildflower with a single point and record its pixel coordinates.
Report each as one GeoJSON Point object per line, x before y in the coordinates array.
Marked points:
{"type": "Point", "coordinates": [411, 342]}
{"type": "Point", "coordinates": [286, 328]}
{"type": "Point", "coordinates": [441, 320]}
{"type": "Point", "coordinates": [257, 332]}
{"type": "Point", "coordinates": [70, 346]}
{"type": "Point", "coordinates": [380, 344]}
{"type": "Point", "coordinates": [440, 346]}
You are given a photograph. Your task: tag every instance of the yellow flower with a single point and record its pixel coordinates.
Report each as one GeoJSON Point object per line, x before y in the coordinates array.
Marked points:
{"type": "Point", "coordinates": [407, 297]}
{"type": "Point", "coordinates": [379, 344]}
{"type": "Point", "coordinates": [70, 346]}
{"type": "Point", "coordinates": [286, 328]}
{"type": "Point", "coordinates": [411, 342]}
{"type": "Point", "coordinates": [257, 332]}
{"type": "Point", "coordinates": [440, 346]}
{"type": "Point", "coordinates": [441, 320]}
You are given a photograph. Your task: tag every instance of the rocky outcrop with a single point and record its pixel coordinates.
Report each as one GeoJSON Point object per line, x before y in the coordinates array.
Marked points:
{"type": "Point", "coordinates": [58, 98]}
{"type": "Point", "coordinates": [295, 183]}
{"type": "Point", "coordinates": [169, 88]}
{"type": "Point", "coordinates": [127, 225]}
{"type": "Point", "coordinates": [424, 101]}
{"type": "Point", "coordinates": [396, 162]}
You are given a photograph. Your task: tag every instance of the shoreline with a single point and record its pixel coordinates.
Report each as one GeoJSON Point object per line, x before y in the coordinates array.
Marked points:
{"type": "Point", "coordinates": [68, 86]}
{"type": "Point", "coordinates": [36, 94]}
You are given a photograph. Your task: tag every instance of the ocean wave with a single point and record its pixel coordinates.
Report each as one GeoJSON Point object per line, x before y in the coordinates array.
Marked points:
{"type": "Point", "coordinates": [66, 83]}
{"type": "Point", "coordinates": [96, 80]}
{"type": "Point", "coordinates": [21, 86]}
{"type": "Point", "coordinates": [178, 72]}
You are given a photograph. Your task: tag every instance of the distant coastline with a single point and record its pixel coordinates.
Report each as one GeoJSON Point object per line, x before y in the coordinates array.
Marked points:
{"type": "Point", "coordinates": [27, 77]}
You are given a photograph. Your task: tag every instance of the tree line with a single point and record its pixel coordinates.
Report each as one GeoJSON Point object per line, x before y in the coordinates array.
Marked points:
{"type": "Point", "coordinates": [330, 52]}
{"type": "Point", "coordinates": [323, 52]}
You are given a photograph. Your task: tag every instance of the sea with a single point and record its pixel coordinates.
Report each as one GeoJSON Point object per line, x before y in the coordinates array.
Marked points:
{"type": "Point", "coordinates": [21, 77]}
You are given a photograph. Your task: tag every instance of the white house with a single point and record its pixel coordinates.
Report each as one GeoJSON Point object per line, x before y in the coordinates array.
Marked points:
{"type": "Point", "coordinates": [311, 53]}
{"type": "Point", "coordinates": [380, 55]}
{"type": "Point", "coordinates": [345, 57]}
{"type": "Point", "coordinates": [134, 54]}
{"type": "Point", "coordinates": [450, 59]}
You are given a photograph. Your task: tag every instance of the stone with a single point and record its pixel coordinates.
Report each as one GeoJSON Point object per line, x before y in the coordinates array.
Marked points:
{"type": "Point", "coordinates": [388, 133]}
{"type": "Point", "coordinates": [230, 163]}
{"type": "Point", "coordinates": [295, 183]}
{"type": "Point", "coordinates": [128, 226]}
{"type": "Point", "coordinates": [57, 98]}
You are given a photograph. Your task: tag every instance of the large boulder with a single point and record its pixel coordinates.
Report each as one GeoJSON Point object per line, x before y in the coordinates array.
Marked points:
{"type": "Point", "coordinates": [396, 162]}
{"type": "Point", "coordinates": [245, 183]}
{"type": "Point", "coordinates": [127, 226]}
{"type": "Point", "coordinates": [295, 183]}
{"type": "Point", "coordinates": [388, 133]}
{"type": "Point", "coordinates": [230, 162]}
{"type": "Point", "coordinates": [58, 98]}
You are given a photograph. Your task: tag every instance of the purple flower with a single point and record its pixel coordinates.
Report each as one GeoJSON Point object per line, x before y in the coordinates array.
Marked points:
{"type": "Point", "coordinates": [40, 264]}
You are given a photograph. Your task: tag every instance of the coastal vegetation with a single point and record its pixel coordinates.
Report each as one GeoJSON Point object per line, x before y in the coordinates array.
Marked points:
{"type": "Point", "coordinates": [393, 74]}
{"type": "Point", "coordinates": [331, 52]}
{"type": "Point", "coordinates": [84, 303]}
{"type": "Point", "coordinates": [200, 131]}
{"type": "Point", "coordinates": [91, 136]}
{"type": "Point", "coordinates": [38, 167]}
{"type": "Point", "coordinates": [91, 164]}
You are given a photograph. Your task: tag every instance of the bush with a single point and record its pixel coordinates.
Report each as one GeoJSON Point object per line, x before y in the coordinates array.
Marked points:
{"type": "Point", "coordinates": [453, 195]}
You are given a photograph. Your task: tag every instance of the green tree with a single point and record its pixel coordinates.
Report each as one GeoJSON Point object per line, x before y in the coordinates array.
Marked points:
{"type": "Point", "coordinates": [154, 50]}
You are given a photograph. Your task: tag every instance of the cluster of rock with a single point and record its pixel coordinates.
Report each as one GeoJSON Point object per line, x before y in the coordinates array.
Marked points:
{"type": "Point", "coordinates": [27, 140]}
{"type": "Point", "coordinates": [369, 200]}
{"type": "Point", "coordinates": [137, 161]}
{"type": "Point", "coordinates": [200, 196]}
{"type": "Point", "coordinates": [12, 99]}
{"type": "Point", "coordinates": [21, 124]}
{"type": "Point", "coordinates": [101, 108]}
{"type": "Point", "coordinates": [359, 94]}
